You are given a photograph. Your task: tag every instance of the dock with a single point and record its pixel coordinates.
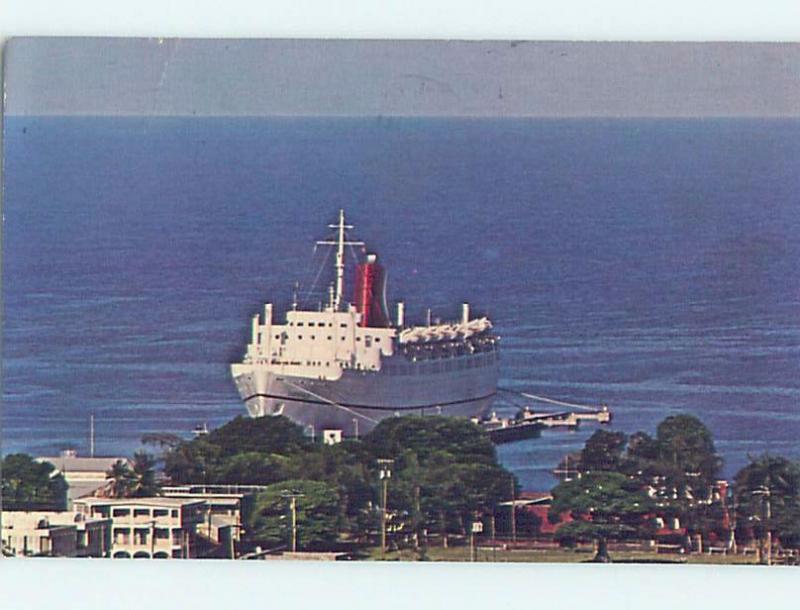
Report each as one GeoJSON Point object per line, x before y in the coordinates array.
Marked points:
{"type": "Point", "coordinates": [529, 423]}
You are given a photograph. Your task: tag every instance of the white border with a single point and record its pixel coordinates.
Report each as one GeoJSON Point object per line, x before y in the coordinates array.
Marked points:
{"type": "Point", "coordinates": [91, 584]}
{"type": "Point", "coordinates": [467, 19]}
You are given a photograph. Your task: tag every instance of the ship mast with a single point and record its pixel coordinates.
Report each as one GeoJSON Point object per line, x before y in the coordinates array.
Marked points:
{"type": "Point", "coordinates": [340, 243]}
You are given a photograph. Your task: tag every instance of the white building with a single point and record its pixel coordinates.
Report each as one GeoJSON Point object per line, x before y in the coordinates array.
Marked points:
{"type": "Point", "coordinates": [54, 534]}
{"type": "Point", "coordinates": [225, 508]}
{"type": "Point", "coordinates": [84, 475]}
{"type": "Point", "coordinates": [144, 528]}
{"type": "Point", "coordinates": [30, 534]}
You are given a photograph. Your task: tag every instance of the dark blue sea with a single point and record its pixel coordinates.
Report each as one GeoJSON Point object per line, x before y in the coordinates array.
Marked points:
{"type": "Point", "coordinates": [653, 265]}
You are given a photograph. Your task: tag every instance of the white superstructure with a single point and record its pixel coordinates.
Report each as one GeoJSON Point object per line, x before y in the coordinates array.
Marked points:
{"type": "Point", "coordinates": [347, 366]}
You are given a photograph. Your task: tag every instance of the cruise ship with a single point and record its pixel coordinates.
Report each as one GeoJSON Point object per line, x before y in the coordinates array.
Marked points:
{"type": "Point", "coordinates": [341, 368]}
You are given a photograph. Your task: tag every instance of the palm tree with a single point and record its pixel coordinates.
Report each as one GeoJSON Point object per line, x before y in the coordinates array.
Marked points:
{"type": "Point", "coordinates": [768, 495]}
{"type": "Point", "coordinates": [118, 479]}
{"type": "Point", "coordinates": [143, 480]}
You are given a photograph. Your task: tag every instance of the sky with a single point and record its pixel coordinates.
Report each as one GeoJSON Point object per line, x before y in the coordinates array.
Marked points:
{"type": "Point", "coordinates": [124, 76]}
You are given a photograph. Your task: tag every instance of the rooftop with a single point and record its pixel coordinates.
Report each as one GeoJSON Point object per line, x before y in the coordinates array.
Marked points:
{"type": "Point", "coordinates": [18, 519]}
{"type": "Point", "coordinates": [157, 501]}
{"type": "Point", "coordinates": [69, 462]}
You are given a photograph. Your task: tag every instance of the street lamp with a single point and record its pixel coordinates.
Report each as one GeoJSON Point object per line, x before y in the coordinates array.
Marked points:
{"type": "Point", "coordinates": [292, 497]}
{"type": "Point", "coordinates": [385, 474]}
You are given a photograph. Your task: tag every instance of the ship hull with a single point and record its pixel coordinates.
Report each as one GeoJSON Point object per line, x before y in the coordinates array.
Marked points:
{"type": "Point", "coordinates": [355, 403]}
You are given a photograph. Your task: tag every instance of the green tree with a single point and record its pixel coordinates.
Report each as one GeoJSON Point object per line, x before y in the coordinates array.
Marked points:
{"type": "Point", "coordinates": [317, 514]}
{"type": "Point", "coordinates": [31, 485]}
{"type": "Point", "coordinates": [273, 434]}
{"type": "Point", "coordinates": [143, 476]}
{"type": "Point", "coordinates": [687, 445]}
{"type": "Point", "coordinates": [642, 447]}
{"type": "Point", "coordinates": [217, 456]}
{"type": "Point", "coordinates": [603, 451]}
{"type": "Point", "coordinates": [604, 505]}
{"type": "Point", "coordinates": [427, 435]}
{"type": "Point", "coordinates": [193, 462]}
{"type": "Point", "coordinates": [346, 467]}
{"type": "Point", "coordinates": [118, 479]}
{"type": "Point", "coordinates": [774, 481]}
{"type": "Point", "coordinates": [250, 468]}
{"type": "Point", "coordinates": [445, 472]}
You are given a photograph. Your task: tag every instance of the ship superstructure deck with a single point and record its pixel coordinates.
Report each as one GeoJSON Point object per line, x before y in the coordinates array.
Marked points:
{"type": "Point", "coordinates": [346, 366]}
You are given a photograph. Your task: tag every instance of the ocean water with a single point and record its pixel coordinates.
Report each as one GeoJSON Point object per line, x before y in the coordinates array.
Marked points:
{"type": "Point", "coordinates": [652, 265]}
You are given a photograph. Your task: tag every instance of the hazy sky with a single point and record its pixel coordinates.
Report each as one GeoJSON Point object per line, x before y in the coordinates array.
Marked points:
{"type": "Point", "coordinates": [65, 76]}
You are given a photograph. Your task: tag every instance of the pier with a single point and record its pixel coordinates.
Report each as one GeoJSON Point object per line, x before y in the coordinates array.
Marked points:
{"type": "Point", "coordinates": [529, 423]}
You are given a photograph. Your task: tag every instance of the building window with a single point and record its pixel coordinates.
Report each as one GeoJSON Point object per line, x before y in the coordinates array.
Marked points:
{"type": "Point", "coordinates": [140, 536]}
{"type": "Point", "coordinates": [177, 538]}
{"type": "Point", "coordinates": [160, 512]}
{"type": "Point", "coordinates": [174, 514]}
{"type": "Point", "coordinates": [121, 512]}
{"type": "Point", "coordinates": [161, 533]}
{"type": "Point", "coordinates": [121, 535]}
{"type": "Point", "coordinates": [141, 512]}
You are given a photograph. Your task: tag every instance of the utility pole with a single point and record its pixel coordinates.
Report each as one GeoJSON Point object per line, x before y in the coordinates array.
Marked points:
{"type": "Point", "coordinates": [385, 474]}
{"type": "Point", "coordinates": [471, 543]}
{"type": "Point", "coordinates": [475, 527]}
{"type": "Point", "coordinates": [513, 512]}
{"type": "Point", "coordinates": [766, 515]}
{"type": "Point", "coordinates": [292, 497]}
{"type": "Point", "coordinates": [494, 536]}
{"type": "Point", "coordinates": [767, 522]}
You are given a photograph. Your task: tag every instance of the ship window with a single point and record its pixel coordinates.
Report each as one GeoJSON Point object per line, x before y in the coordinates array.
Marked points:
{"type": "Point", "coordinates": [311, 323]}
{"type": "Point", "coordinates": [377, 339]}
{"type": "Point", "coordinates": [329, 337]}
{"type": "Point", "coordinates": [277, 336]}
{"type": "Point", "coordinates": [342, 338]}
{"type": "Point", "coordinates": [299, 336]}
{"type": "Point", "coordinates": [343, 325]}
{"type": "Point", "coordinates": [299, 323]}
{"type": "Point", "coordinates": [313, 337]}
{"type": "Point", "coordinates": [330, 324]}
{"type": "Point", "coordinates": [358, 338]}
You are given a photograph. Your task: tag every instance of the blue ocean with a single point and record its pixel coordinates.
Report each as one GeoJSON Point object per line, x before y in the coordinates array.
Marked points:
{"type": "Point", "coordinates": [653, 265]}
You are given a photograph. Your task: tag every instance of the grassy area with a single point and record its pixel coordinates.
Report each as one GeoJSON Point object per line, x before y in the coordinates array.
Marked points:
{"type": "Point", "coordinates": [461, 553]}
